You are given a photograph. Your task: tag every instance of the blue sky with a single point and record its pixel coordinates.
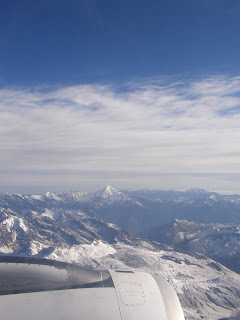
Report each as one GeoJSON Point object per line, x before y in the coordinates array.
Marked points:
{"type": "Point", "coordinates": [81, 41]}
{"type": "Point", "coordinates": [137, 94]}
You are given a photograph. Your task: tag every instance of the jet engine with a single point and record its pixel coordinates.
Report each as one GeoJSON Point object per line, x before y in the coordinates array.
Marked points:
{"type": "Point", "coordinates": [36, 288]}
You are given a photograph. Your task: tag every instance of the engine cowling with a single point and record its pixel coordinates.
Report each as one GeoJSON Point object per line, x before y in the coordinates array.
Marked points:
{"type": "Point", "coordinates": [35, 288]}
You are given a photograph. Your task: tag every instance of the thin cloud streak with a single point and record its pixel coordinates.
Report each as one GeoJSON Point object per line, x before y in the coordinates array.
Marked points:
{"type": "Point", "coordinates": [151, 128]}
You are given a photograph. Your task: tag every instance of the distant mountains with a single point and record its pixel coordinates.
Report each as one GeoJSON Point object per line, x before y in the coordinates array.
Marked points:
{"type": "Point", "coordinates": [217, 241]}
{"type": "Point", "coordinates": [135, 211]}
{"type": "Point", "coordinates": [167, 232]}
{"type": "Point", "coordinates": [192, 220]}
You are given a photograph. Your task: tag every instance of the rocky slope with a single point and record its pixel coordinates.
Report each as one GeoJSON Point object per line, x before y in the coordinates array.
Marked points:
{"type": "Point", "coordinates": [217, 241]}
{"type": "Point", "coordinates": [33, 232]}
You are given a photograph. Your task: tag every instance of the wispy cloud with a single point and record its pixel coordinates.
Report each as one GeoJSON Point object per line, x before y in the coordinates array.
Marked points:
{"type": "Point", "coordinates": [99, 133]}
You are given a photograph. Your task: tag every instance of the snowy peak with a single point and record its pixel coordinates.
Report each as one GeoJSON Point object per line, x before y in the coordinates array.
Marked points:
{"type": "Point", "coordinates": [109, 195]}
{"type": "Point", "coordinates": [110, 189]}
{"type": "Point", "coordinates": [110, 192]}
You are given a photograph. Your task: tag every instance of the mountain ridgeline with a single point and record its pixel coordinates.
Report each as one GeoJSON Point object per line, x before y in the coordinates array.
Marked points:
{"type": "Point", "coordinates": [173, 233]}
{"type": "Point", "coordinates": [192, 220]}
{"type": "Point", "coordinates": [135, 211]}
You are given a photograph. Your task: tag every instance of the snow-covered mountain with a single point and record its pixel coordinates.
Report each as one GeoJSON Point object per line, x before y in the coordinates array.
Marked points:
{"type": "Point", "coordinates": [31, 232]}
{"type": "Point", "coordinates": [105, 196]}
{"type": "Point", "coordinates": [161, 207]}
{"type": "Point", "coordinates": [143, 213]}
{"type": "Point", "coordinates": [160, 195]}
{"type": "Point", "coordinates": [217, 241]}
{"type": "Point", "coordinates": [137, 211]}
{"type": "Point", "coordinates": [207, 289]}
{"type": "Point", "coordinates": [109, 196]}
{"type": "Point", "coordinates": [78, 227]}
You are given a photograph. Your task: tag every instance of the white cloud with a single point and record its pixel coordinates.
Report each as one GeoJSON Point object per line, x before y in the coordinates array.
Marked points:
{"type": "Point", "coordinates": [149, 130]}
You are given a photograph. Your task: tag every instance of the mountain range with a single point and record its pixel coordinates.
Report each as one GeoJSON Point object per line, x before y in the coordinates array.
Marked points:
{"type": "Point", "coordinates": [186, 236]}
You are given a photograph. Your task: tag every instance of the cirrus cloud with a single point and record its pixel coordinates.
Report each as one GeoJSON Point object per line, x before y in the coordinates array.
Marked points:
{"type": "Point", "coordinates": [152, 134]}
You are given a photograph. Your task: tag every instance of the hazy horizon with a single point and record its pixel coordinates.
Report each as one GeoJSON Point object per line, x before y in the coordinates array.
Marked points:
{"type": "Point", "coordinates": [37, 190]}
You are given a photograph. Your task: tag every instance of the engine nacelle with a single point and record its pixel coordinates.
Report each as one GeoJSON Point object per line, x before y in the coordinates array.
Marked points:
{"type": "Point", "coordinates": [34, 288]}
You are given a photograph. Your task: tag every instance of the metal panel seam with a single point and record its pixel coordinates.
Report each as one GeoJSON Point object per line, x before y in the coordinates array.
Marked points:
{"type": "Point", "coordinates": [117, 298]}
{"type": "Point", "coordinates": [102, 279]}
{"type": "Point", "coordinates": [118, 303]}
{"type": "Point", "coordinates": [164, 300]}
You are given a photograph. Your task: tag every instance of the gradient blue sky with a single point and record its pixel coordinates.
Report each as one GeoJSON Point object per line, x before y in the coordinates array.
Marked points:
{"type": "Point", "coordinates": [137, 94]}
{"type": "Point", "coordinates": [79, 41]}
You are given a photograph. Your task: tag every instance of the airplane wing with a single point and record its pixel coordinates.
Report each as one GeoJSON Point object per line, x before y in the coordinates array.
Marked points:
{"type": "Point", "coordinates": [35, 288]}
